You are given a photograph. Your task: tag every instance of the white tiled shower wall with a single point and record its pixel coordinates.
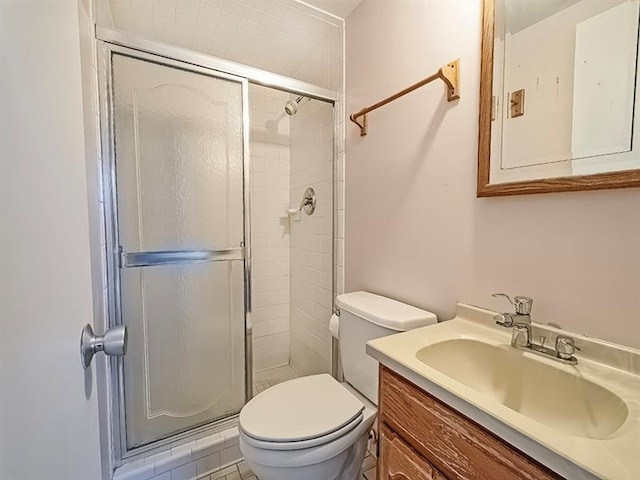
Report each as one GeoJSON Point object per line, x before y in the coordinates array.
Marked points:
{"type": "Point", "coordinates": [312, 155]}
{"type": "Point", "coordinates": [270, 226]}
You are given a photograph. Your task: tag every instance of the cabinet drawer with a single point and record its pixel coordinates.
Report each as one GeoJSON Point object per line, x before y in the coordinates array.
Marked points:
{"type": "Point", "coordinates": [455, 445]}
{"type": "Point", "coordinates": [398, 461]}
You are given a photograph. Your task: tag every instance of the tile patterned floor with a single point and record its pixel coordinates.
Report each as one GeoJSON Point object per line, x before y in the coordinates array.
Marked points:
{"type": "Point", "coordinates": [241, 471]}
{"type": "Point", "coordinates": [273, 376]}
{"type": "Point", "coordinates": [369, 467]}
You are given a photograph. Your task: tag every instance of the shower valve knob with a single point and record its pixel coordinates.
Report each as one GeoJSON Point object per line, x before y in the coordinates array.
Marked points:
{"type": "Point", "coordinates": [112, 343]}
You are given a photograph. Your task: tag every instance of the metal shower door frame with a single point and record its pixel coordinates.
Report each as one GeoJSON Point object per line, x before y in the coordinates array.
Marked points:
{"type": "Point", "coordinates": [114, 307]}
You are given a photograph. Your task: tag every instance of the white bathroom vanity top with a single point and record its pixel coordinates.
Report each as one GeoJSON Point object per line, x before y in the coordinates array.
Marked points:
{"type": "Point", "coordinates": [611, 452]}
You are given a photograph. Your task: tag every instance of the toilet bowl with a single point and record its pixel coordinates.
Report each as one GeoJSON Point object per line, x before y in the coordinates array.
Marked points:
{"type": "Point", "coordinates": [330, 449]}
{"type": "Point", "coordinates": [313, 427]}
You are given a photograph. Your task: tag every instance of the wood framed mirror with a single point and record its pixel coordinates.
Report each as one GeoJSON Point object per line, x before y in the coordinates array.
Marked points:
{"type": "Point", "coordinates": [559, 96]}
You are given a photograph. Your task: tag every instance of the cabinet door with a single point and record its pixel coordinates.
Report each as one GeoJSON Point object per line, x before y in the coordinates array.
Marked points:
{"type": "Point", "coordinates": [398, 461]}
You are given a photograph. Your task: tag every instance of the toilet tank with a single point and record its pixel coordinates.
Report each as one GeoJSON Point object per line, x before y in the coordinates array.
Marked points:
{"type": "Point", "coordinates": [365, 316]}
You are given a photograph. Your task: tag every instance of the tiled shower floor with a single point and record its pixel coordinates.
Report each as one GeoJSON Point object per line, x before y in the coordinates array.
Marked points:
{"type": "Point", "coordinates": [241, 471]}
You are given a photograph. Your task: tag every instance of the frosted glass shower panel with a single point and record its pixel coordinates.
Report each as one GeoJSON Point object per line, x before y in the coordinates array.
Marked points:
{"type": "Point", "coordinates": [179, 184]}
{"type": "Point", "coordinates": [185, 364]}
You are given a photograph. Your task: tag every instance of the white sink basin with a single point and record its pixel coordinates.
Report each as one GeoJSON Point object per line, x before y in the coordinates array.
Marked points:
{"type": "Point", "coordinates": [587, 417]}
{"type": "Point", "coordinates": [557, 397]}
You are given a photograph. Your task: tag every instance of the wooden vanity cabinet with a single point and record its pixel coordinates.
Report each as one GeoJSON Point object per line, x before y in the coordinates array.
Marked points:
{"type": "Point", "coordinates": [399, 461]}
{"type": "Point", "coordinates": [422, 438]}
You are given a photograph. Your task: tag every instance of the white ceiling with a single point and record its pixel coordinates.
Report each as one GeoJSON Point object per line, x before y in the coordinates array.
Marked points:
{"type": "Point", "coordinates": [339, 8]}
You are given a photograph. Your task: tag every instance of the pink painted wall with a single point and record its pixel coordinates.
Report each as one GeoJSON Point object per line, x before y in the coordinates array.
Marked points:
{"type": "Point", "coordinates": [414, 227]}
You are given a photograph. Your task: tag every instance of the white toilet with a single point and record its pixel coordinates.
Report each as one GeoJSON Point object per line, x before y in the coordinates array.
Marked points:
{"type": "Point", "coordinates": [314, 428]}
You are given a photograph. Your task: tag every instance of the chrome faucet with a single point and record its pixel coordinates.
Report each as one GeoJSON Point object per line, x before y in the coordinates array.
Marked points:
{"type": "Point", "coordinates": [565, 348]}
{"type": "Point", "coordinates": [520, 321]}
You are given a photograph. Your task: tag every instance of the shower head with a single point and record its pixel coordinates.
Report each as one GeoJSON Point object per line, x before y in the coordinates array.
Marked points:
{"type": "Point", "coordinates": [291, 107]}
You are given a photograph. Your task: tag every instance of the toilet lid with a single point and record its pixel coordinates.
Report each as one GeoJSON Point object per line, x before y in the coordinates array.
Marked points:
{"type": "Point", "coordinates": [300, 409]}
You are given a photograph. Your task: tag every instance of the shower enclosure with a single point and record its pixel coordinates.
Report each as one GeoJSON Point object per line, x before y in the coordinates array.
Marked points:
{"type": "Point", "coordinates": [178, 151]}
{"type": "Point", "coordinates": [182, 194]}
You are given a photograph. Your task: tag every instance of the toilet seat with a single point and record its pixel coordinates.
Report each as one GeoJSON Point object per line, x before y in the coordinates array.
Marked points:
{"type": "Point", "coordinates": [300, 444]}
{"type": "Point", "coordinates": [301, 413]}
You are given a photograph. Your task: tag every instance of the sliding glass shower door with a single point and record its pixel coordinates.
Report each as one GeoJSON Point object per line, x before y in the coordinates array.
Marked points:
{"type": "Point", "coordinates": [179, 209]}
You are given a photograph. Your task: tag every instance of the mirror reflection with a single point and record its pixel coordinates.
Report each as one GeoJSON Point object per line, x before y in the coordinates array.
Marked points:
{"type": "Point", "coordinates": [564, 88]}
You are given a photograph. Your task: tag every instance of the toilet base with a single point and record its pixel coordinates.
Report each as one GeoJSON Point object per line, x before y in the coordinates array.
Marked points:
{"type": "Point", "coordinates": [346, 465]}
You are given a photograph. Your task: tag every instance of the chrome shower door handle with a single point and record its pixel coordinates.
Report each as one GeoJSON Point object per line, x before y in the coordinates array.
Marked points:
{"type": "Point", "coordinates": [112, 343]}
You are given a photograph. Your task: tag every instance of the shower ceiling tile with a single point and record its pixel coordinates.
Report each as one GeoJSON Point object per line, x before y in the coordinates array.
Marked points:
{"type": "Point", "coordinates": [254, 14]}
{"type": "Point", "coordinates": [278, 9]}
{"type": "Point", "coordinates": [234, 7]}
{"type": "Point", "coordinates": [219, 45]}
{"type": "Point", "coordinates": [235, 51]}
{"type": "Point", "coordinates": [164, 16]}
{"type": "Point", "coordinates": [142, 16]}
{"type": "Point", "coordinates": [209, 12]}
{"type": "Point", "coordinates": [203, 34]}
{"type": "Point", "coordinates": [339, 8]}
{"type": "Point", "coordinates": [213, 3]}
{"type": "Point", "coordinates": [121, 13]}
{"type": "Point", "coordinates": [247, 27]}
{"type": "Point", "coordinates": [271, 21]}
{"type": "Point", "coordinates": [283, 36]}
{"type": "Point", "coordinates": [164, 8]}
{"type": "Point", "coordinates": [293, 29]}
{"type": "Point", "coordinates": [190, 6]}
{"type": "Point", "coordinates": [227, 24]}
{"type": "Point", "coordinates": [184, 28]}
{"type": "Point", "coordinates": [262, 6]}
{"type": "Point", "coordinates": [296, 15]}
